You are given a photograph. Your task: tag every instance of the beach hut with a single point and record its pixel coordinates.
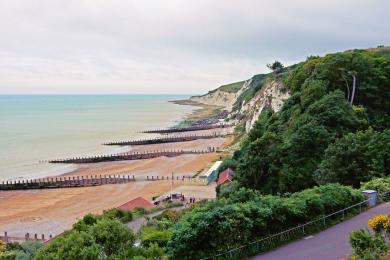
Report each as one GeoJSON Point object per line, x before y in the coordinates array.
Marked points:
{"type": "Point", "coordinates": [225, 176]}
{"type": "Point", "coordinates": [139, 202]}
{"type": "Point", "coordinates": [211, 174]}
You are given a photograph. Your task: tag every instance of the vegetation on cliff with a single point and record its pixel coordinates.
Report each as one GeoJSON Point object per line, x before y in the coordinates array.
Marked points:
{"type": "Point", "coordinates": [319, 136]}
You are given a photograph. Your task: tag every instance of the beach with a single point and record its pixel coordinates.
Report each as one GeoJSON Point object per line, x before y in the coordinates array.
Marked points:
{"type": "Point", "coordinates": [51, 211]}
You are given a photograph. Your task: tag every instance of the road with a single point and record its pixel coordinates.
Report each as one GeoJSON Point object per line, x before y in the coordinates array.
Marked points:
{"type": "Point", "coordinates": [330, 244]}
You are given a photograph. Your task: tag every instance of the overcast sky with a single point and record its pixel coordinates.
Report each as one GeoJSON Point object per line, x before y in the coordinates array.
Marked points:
{"type": "Point", "coordinates": [163, 46]}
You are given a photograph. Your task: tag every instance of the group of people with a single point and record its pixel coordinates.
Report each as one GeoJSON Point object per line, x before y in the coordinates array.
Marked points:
{"type": "Point", "coordinates": [192, 200]}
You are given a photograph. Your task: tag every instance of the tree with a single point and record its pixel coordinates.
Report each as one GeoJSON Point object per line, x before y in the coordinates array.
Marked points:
{"type": "Point", "coordinates": [276, 67]}
{"type": "Point", "coordinates": [355, 158]}
{"type": "Point", "coordinates": [105, 238]}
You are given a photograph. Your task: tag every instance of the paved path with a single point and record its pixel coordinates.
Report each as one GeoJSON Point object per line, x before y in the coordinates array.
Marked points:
{"type": "Point", "coordinates": [330, 244]}
{"type": "Point", "coordinates": [137, 223]}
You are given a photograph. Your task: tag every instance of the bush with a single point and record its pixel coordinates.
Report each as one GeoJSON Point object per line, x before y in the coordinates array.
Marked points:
{"type": "Point", "coordinates": [380, 222]}
{"type": "Point", "coordinates": [247, 215]}
{"type": "Point", "coordinates": [106, 237]}
{"type": "Point", "coordinates": [150, 235]}
{"type": "Point", "coordinates": [367, 246]}
{"type": "Point", "coordinates": [122, 215]}
{"type": "Point", "coordinates": [381, 185]}
{"type": "Point", "coordinates": [7, 256]}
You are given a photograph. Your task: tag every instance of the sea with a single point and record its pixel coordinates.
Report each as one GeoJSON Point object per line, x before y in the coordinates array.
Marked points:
{"type": "Point", "coordinates": [35, 128]}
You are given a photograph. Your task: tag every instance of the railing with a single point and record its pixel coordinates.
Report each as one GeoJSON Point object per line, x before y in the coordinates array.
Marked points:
{"type": "Point", "coordinates": [382, 197]}
{"type": "Point", "coordinates": [272, 241]}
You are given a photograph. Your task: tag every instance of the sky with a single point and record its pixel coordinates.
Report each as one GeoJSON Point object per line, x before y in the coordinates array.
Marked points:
{"type": "Point", "coordinates": [171, 46]}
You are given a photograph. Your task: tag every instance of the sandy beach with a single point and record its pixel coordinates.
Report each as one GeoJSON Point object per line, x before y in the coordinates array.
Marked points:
{"type": "Point", "coordinates": [51, 211]}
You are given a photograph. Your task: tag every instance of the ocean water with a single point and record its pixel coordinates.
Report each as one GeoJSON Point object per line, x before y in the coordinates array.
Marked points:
{"type": "Point", "coordinates": [43, 127]}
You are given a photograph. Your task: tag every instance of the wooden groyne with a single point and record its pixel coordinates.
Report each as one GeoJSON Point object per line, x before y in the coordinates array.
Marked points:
{"type": "Point", "coordinates": [82, 181]}
{"type": "Point", "coordinates": [187, 129]}
{"type": "Point", "coordinates": [165, 139]}
{"type": "Point", "coordinates": [27, 237]}
{"type": "Point", "coordinates": [131, 156]}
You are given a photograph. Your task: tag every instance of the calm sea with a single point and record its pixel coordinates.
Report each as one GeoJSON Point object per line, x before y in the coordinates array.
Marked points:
{"type": "Point", "coordinates": [42, 127]}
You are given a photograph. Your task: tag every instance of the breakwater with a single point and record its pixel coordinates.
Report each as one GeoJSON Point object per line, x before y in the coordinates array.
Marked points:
{"type": "Point", "coordinates": [83, 181]}
{"type": "Point", "coordinates": [131, 156]}
{"type": "Point", "coordinates": [27, 237]}
{"type": "Point", "coordinates": [187, 129]}
{"type": "Point", "coordinates": [165, 139]}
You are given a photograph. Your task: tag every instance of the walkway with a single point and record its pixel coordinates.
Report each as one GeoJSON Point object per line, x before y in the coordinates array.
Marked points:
{"type": "Point", "coordinates": [137, 223]}
{"type": "Point", "coordinates": [330, 244]}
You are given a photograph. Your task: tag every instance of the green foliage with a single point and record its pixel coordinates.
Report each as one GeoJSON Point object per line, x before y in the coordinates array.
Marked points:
{"type": "Point", "coordinates": [28, 250]}
{"type": "Point", "coordinates": [367, 246]}
{"type": "Point", "coordinates": [122, 215]}
{"type": "Point", "coordinates": [151, 235]}
{"type": "Point", "coordinates": [295, 148]}
{"type": "Point", "coordinates": [112, 235]}
{"type": "Point", "coordinates": [226, 189]}
{"type": "Point", "coordinates": [152, 252]}
{"type": "Point", "coordinates": [104, 238]}
{"type": "Point", "coordinates": [253, 87]}
{"type": "Point", "coordinates": [91, 219]}
{"type": "Point", "coordinates": [276, 67]}
{"type": "Point", "coordinates": [246, 215]}
{"type": "Point", "coordinates": [227, 163]}
{"type": "Point", "coordinates": [355, 158]}
{"type": "Point", "coordinates": [372, 70]}
{"type": "Point", "coordinates": [381, 185]}
{"type": "Point", "coordinates": [7, 256]}
{"type": "Point", "coordinates": [232, 87]}
{"type": "Point", "coordinates": [312, 90]}
{"type": "Point", "coordinates": [24, 251]}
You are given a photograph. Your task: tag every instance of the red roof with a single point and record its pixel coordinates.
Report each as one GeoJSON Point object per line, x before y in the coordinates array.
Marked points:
{"type": "Point", "coordinates": [225, 176]}
{"type": "Point", "coordinates": [136, 203]}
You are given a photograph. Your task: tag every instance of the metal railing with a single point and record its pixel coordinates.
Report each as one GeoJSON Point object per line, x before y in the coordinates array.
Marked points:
{"type": "Point", "coordinates": [272, 241]}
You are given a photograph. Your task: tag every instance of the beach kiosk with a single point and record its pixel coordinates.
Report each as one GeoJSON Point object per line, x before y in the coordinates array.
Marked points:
{"type": "Point", "coordinates": [211, 174]}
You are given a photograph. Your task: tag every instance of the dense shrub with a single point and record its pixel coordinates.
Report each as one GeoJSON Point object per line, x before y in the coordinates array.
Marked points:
{"type": "Point", "coordinates": [356, 158]}
{"type": "Point", "coordinates": [151, 235]}
{"type": "Point", "coordinates": [367, 246]}
{"type": "Point", "coordinates": [381, 185]}
{"type": "Point", "coordinates": [104, 238]}
{"type": "Point", "coordinates": [246, 215]}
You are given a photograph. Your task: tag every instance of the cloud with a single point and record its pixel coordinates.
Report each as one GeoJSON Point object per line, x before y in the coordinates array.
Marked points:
{"type": "Point", "coordinates": [172, 45]}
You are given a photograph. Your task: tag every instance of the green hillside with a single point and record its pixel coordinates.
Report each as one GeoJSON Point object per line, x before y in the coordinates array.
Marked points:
{"type": "Point", "coordinates": [230, 88]}
{"type": "Point", "coordinates": [318, 138]}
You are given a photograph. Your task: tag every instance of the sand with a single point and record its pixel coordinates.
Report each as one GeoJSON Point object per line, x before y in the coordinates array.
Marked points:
{"type": "Point", "coordinates": [51, 211]}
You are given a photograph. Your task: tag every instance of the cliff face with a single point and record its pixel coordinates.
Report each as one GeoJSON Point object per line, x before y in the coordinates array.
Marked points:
{"type": "Point", "coordinates": [271, 96]}
{"type": "Point", "coordinates": [218, 98]}
{"type": "Point", "coordinates": [248, 99]}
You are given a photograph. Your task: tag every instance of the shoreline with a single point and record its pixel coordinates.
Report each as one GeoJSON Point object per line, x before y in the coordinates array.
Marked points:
{"type": "Point", "coordinates": [52, 170]}
{"type": "Point", "coordinates": [51, 211]}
